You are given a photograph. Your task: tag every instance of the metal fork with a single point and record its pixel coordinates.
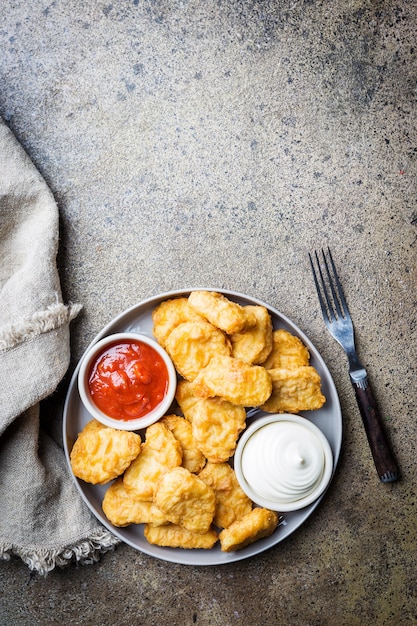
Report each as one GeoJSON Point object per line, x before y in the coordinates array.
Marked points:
{"type": "Point", "coordinates": [339, 323]}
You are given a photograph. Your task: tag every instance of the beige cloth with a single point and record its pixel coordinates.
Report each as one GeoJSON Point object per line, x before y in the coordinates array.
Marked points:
{"type": "Point", "coordinates": [43, 519]}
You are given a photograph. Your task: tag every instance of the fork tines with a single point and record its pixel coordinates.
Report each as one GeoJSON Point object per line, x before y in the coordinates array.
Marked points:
{"type": "Point", "coordinates": [335, 308]}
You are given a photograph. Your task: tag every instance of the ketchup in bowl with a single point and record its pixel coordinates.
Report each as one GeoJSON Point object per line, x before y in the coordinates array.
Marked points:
{"type": "Point", "coordinates": [128, 380]}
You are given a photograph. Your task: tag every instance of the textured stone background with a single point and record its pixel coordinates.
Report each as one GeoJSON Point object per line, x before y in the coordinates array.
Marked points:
{"type": "Point", "coordinates": [214, 144]}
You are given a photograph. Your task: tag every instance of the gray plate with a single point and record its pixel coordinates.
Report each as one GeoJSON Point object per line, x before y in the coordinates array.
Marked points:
{"type": "Point", "coordinates": [138, 318]}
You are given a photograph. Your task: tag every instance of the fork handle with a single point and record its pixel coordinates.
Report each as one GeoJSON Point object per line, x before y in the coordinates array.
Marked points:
{"type": "Point", "coordinates": [384, 459]}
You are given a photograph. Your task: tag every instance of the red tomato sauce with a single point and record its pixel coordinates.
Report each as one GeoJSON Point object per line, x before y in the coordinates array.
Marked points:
{"type": "Point", "coordinates": [128, 380]}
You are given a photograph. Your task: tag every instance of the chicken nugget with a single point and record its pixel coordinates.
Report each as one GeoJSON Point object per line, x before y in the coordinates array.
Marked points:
{"type": "Point", "coordinates": [288, 351]}
{"type": "Point", "coordinates": [255, 525]}
{"type": "Point", "coordinates": [171, 313]}
{"type": "Point", "coordinates": [237, 382]}
{"type": "Point", "coordinates": [192, 458]}
{"type": "Point", "coordinates": [229, 316]}
{"type": "Point", "coordinates": [100, 453]}
{"type": "Point", "coordinates": [186, 500]}
{"type": "Point", "coordinates": [160, 453]}
{"type": "Point", "coordinates": [254, 344]}
{"type": "Point", "coordinates": [191, 346]}
{"type": "Point", "coordinates": [294, 390]}
{"type": "Point", "coordinates": [122, 509]}
{"type": "Point", "coordinates": [216, 424]}
{"type": "Point", "coordinates": [174, 536]}
{"type": "Point", "coordinates": [231, 501]}
{"type": "Point", "coordinates": [186, 398]}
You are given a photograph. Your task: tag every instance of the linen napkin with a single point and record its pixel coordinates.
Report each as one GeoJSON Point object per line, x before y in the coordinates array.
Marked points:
{"type": "Point", "coordinates": [43, 519]}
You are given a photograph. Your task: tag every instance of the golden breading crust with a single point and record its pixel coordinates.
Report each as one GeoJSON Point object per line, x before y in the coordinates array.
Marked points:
{"type": "Point", "coordinates": [220, 311]}
{"type": "Point", "coordinates": [235, 381]}
{"type": "Point", "coordinates": [288, 351]}
{"type": "Point", "coordinates": [231, 501]}
{"type": "Point", "coordinates": [100, 454]}
{"type": "Point", "coordinates": [160, 453]}
{"type": "Point", "coordinates": [174, 536]}
{"type": "Point", "coordinates": [186, 500]}
{"type": "Point", "coordinates": [186, 398]}
{"type": "Point", "coordinates": [171, 313]}
{"type": "Point", "coordinates": [122, 509]}
{"type": "Point", "coordinates": [253, 345]}
{"type": "Point", "coordinates": [294, 390]}
{"type": "Point", "coordinates": [216, 424]}
{"type": "Point", "coordinates": [255, 525]}
{"type": "Point", "coordinates": [192, 458]}
{"type": "Point", "coordinates": [191, 346]}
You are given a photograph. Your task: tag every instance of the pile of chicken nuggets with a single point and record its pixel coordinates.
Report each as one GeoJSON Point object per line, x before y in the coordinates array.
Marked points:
{"type": "Point", "coordinates": [179, 480]}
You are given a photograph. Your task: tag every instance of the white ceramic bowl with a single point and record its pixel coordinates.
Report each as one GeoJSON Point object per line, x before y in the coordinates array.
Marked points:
{"type": "Point", "coordinates": [283, 462]}
{"type": "Point", "coordinates": [87, 362]}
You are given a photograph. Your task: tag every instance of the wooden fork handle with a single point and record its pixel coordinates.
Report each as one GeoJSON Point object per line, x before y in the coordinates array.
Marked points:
{"type": "Point", "coordinates": [384, 459]}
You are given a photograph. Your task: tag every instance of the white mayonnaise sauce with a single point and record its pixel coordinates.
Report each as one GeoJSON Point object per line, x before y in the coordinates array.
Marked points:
{"type": "Point", "coordinates": [283, 461]}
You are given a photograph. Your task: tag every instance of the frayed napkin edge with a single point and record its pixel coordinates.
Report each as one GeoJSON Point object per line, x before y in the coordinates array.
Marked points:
{"type": "Point", "coordinates": [84, 552]}
{"type": "Point", "coordinates": [51, 318]}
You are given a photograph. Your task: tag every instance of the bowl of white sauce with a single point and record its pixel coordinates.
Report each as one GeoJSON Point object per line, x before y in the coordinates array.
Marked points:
{"type": "Point", "coordinates": [283, 462]}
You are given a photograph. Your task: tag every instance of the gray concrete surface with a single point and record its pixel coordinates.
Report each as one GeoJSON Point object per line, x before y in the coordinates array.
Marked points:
{"type": "Point", "coordinates": [216, 143]}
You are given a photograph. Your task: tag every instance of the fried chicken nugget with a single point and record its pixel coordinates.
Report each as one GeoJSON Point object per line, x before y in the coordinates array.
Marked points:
{"type": "Point", "coordinates": [186, 398]}
{"type": "Point", "coordinates": [255, 525]}
{"type": "Point", "coordinates": [192, 458]}
{"type": "Point", "coordinates": [231, 501]}
{"type": "Point", "coordinates": [186, 500]}
{"type": "Point", "coordinates": [254, 344]}
{"type": "Point", "coordinates": [220, 311]}
{"type": "Point", "coordinates": [160, 453]}
{"type": "Point", "coordinates": [294, 390]}
{"type": "Point", "coordinates": [122, 509]}
{"type": "Point", "coordinates": [100, 453]}
{"type": "Point", "coordinates": [237, 382]}
{"type": "Point", "coordinates": [216, 424]}
{"type": "Point", "coordinates": [288, 351]}
{"type": "Point", "coordinates": [191, 346]}
{"type": "Point", "coordinates": [171, 313]}
{"type": "Point", "coordinates": [174, 536]}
